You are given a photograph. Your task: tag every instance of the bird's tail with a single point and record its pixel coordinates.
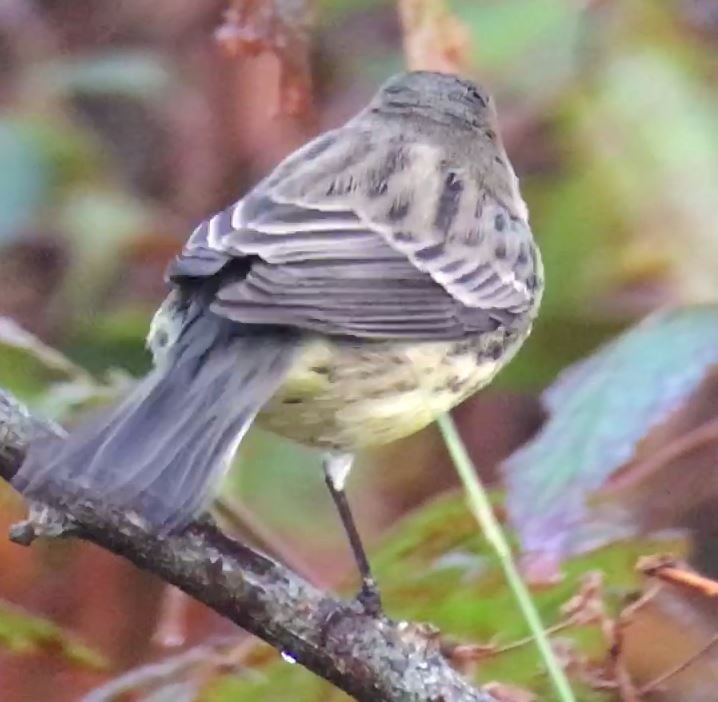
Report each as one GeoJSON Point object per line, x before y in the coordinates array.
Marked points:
{"type": "Point", "coordinates": [162, 451]}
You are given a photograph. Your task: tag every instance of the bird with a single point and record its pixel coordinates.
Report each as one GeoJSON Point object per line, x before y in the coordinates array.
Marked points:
{"type": "Point", "coordinates": [377, 277]}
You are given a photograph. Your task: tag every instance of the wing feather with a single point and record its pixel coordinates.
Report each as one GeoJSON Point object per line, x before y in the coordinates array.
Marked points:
{"type": "Point", "coordinates": [353, 256]}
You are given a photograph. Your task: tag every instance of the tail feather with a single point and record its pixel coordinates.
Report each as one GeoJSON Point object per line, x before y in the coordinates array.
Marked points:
{"type": "Point", "coordinates": [163, 450]}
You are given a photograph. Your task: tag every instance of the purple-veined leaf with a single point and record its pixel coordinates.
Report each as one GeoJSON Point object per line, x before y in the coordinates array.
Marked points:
{"type": "Point", "coordinates": [600, 409]}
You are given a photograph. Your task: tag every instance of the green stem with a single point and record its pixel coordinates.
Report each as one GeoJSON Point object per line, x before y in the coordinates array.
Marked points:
{"type": "Point", "coordinates": [481, 507]}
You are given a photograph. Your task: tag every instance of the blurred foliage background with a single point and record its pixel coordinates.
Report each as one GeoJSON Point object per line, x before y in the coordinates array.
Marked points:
{"type": "Point", "coordinates": [123, 124]}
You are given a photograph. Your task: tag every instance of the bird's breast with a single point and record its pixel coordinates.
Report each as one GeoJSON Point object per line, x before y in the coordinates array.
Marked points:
{"type": "Point", "coordinates": [346, 396]}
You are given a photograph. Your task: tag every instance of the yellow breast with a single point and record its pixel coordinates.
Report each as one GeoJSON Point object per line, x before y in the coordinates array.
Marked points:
{"type": "Point", "coordinates": [347, 396]}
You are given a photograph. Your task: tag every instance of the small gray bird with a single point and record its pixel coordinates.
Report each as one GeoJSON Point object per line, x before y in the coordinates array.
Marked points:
{"type": "Point", "coordinates": [376, 278]}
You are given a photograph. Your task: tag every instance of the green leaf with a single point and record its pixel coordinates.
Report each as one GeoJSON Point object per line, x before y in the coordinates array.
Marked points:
{"type": "Point", "coordinates": [29, 367]}
{"type": "Point", "coordinates": [600, 409]}
{"type": "Point", "coordinates": [333, 9]}
{"type": "Point", "coordinates": [24, 178]}
{"type": "Point", "coordinates": [648, 132]}
{"type": "Point", "coordinates": [137, 74]}
{"type": "Point", "coordinates": [98, 222]}
{"type": "Point", "coordinates": [523, 40]}
{"type": "Point", "coordinates": [45, 377]}
{"type": "Point", "coordinates": [22, 634]}
{"type": "Point", "coordinates": [112, 340]}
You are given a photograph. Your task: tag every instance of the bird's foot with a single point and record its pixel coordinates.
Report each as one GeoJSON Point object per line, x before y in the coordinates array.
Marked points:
{"type": "Point", "coordinates": [366, 603]}
{"type": "Point", "coordinates": [369, 598]}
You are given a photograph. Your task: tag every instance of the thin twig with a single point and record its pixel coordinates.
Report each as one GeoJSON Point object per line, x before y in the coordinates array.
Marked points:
{"type": "Point", "coordinates": [670, 570]}
{"type": "Point", "coordinates": [243, 521]}
{"type": "Point", "coordinates": [696, 438]}
{"type": "Point", "coordinates": [480, 505]}
{"type": "Point", "coordinates": [614, 630]}
{"type": "Point", "coordinates": [170, 669]}
{"type": "Point", "coordinates": [624, 684]}
{"type": "Point", "coordinates": [171, 629]}
{"type": "Point", "coordinates": [656, 683]}
{"type": "Point", "coordinates": [549, 630]}
{"type": "Point", "coordinates": [477, 652]}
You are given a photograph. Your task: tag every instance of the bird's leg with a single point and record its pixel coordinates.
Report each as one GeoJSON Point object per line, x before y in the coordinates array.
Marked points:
{"type": "Point", "coordinates": [336, 471]}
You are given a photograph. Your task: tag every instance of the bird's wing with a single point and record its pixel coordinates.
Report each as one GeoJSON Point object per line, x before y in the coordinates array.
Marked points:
{"type": "Point", "coordinates": [345, 238]}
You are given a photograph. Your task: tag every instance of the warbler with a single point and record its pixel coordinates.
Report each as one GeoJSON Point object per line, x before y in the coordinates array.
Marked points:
{"type": "Point", "coordinates": [381, 274]}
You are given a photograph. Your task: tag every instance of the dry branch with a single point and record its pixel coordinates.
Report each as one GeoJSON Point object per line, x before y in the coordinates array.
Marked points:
{"type": "Point", "coordinates": [371, 659]}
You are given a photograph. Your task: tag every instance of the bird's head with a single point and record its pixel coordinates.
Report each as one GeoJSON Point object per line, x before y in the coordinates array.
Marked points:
{"type": "Point", "coordinates": [436, 94]}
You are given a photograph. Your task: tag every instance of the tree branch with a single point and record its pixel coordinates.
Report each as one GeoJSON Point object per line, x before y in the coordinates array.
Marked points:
{"type": "Point", "coordinates": [371, 659]}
